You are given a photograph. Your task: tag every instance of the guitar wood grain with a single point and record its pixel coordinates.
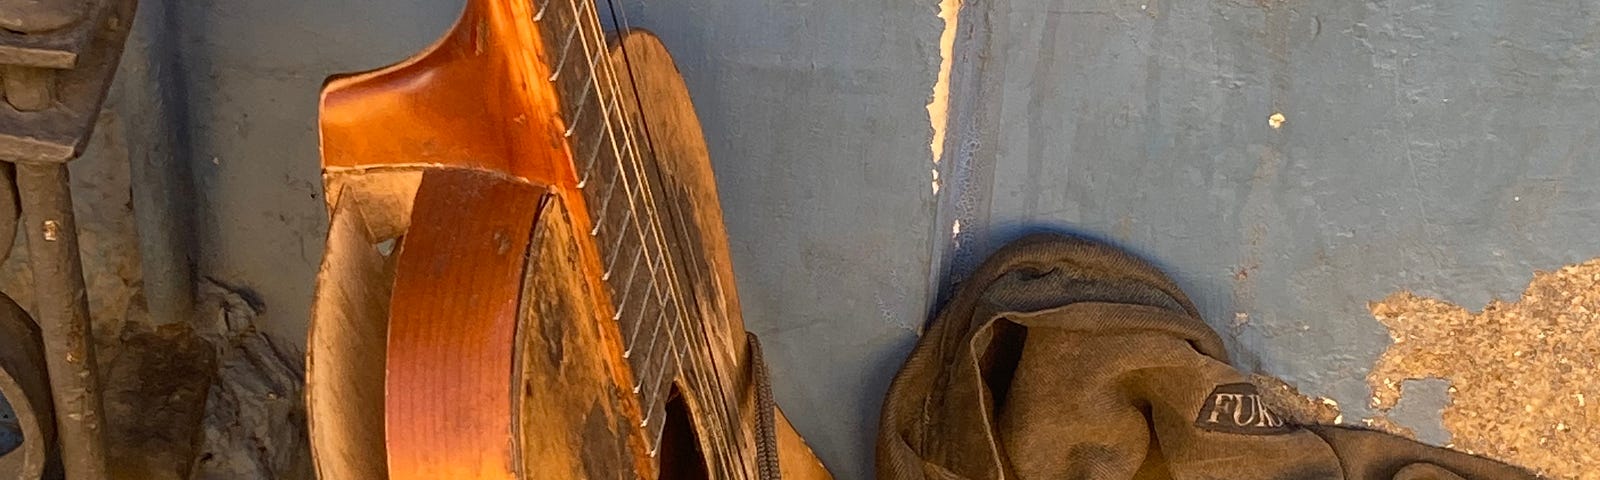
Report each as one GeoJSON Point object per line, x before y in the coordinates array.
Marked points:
{"type": "Point", "coordinates": [453, 316]}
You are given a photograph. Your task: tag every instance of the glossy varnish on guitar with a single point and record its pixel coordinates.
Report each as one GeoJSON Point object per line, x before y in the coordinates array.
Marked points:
{"type": "Point", "coordinates": [525, 217]}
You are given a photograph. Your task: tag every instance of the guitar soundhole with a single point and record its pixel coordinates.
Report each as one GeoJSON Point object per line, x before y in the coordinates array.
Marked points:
{"type": "Point", "coordinates": [681, 458]}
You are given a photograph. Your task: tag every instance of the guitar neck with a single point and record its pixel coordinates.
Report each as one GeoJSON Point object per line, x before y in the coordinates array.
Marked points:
{"type": "Point", "coordinates": [640, 228]}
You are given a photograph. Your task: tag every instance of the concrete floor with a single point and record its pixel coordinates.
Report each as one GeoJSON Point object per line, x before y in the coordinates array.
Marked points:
{"type": "Point", "coordinates": [1443, 149]}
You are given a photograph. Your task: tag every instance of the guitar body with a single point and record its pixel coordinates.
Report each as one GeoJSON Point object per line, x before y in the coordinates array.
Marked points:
{"type": "Point", "coordinates": [507, 294]}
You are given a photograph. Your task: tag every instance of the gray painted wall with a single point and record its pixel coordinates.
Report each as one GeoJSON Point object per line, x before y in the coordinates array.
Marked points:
{"type": "Point", "coordinates": [250, 73]}
{"type": "Point", "coordinates": [817, 123]}
{"type": "Point", "coordinates": [1444, 148]}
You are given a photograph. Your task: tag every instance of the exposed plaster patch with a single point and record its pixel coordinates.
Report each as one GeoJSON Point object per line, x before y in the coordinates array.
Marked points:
{"type": "Point", "coordinates": [939, 104]}
{"type": "Point", "coordinates": [1385, 424]}
{"type": "Point", "coordinates": [1276, 121]}
{"type": "Point", "coordinates": [1295, 407]}
{"type": "Point", "coordinates": [1520, 373]}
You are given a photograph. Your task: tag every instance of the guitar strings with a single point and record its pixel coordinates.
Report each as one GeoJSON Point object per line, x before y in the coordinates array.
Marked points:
{"type": "Point", "coordinates": [717, 405]}
{"type": "Point", "coordinates": [720, 407]}
{"type": "Point", "coordinates": [621, 26]}
{"type": "Point", "coordinates": [620, 23]}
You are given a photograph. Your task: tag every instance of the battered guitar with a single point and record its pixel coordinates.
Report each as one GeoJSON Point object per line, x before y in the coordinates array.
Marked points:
{"type": "Point", "coordinates": [526, 272]}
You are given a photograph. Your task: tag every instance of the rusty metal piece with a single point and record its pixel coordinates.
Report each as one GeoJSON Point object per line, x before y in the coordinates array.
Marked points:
{"type": "Point", "coordinates": [29, 89]}
{"type": "Point", "coordinates": [58, 133]}
{"type": "Point", "coordinates": [8, 211]}
{"type": "Point", "coordinates": [40, 16]}
{"type": "Point", "coordinates": [23, 383]}
{"type": "Point", "coordinates": [62, 309]}
{"type": "Point", "coordinates": [51, 33]}
{"type": "Point", "coordinates": [55, 76]}
{"type": "Point", "coordinates": [54, 82]}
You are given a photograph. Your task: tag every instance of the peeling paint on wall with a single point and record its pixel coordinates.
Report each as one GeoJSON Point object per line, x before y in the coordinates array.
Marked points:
{"type": "Point", "coordinates": [939, 104]}
{"type": "Point", "coordinates": [1521, 374]}
{"type": "Point", "coordinates": [1296, 407]}
{"type": "Point", "coordinates": [939, 101]}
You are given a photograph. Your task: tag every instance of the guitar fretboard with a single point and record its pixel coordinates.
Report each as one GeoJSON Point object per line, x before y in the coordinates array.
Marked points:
{"type": "Point", "coordinates": [632, 227]}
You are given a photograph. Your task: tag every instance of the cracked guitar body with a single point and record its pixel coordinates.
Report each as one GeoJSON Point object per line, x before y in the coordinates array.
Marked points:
{"type": "Point", "coordinates": [527, 274]}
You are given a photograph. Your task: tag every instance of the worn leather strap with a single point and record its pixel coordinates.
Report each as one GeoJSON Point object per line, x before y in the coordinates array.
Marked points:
{"type": "Point", "coordinates": [766, 430]}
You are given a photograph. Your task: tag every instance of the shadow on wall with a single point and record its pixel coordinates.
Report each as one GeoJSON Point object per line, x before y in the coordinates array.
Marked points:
{"type": "Point", "coordinates": [971, 248]}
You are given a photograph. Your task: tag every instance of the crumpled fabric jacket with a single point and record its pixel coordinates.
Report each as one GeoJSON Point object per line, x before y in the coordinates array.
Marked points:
{"type": "Point", "coordinates": [1061, 358]}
